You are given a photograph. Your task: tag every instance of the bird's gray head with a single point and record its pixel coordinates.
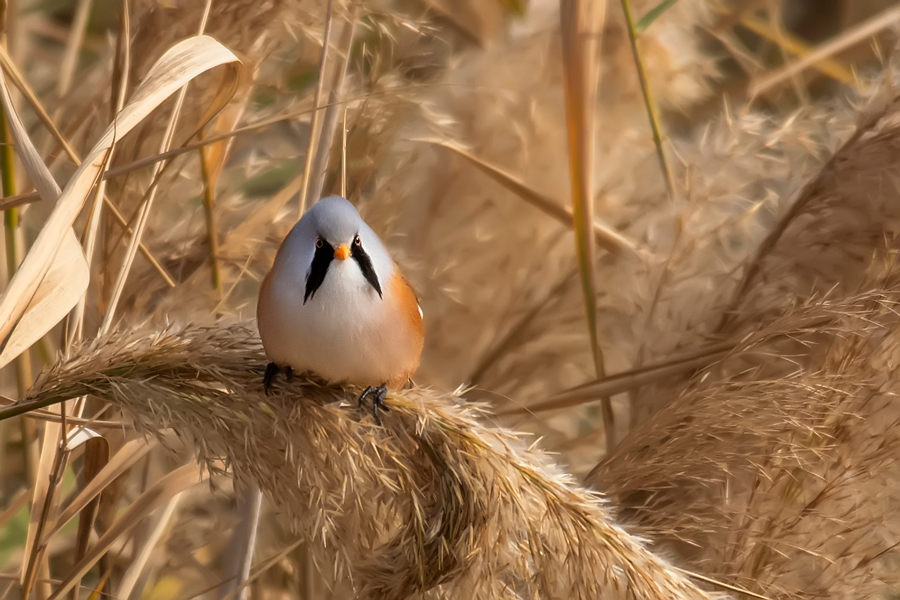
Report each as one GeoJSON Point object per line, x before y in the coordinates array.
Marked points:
{"type": "Point", "coordinates": [335, 220]}
{"type": "Point", "coordinates": [333, 231]}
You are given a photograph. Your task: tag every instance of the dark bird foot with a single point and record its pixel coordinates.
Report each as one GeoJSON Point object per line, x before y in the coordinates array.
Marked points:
{"type": "Point", "coordinates": [378, 395]}
{"type": "Point", "coordinates": [271, 371]}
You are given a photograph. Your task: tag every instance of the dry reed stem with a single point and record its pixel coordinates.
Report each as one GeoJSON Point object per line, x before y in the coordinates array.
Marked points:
{"type": "Point", "coordinates": [434, 498]}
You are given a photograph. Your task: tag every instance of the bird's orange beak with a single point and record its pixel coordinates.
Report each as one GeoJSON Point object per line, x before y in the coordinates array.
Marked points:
{"type": "Point", "coordinates": [342, 252]}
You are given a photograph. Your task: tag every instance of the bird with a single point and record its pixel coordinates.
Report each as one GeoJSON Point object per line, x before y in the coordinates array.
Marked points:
{"type": "Point", "coordinates": [335, 304]}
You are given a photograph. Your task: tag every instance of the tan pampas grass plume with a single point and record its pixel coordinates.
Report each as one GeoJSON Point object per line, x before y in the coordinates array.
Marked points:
{"type": "Point", "coordinates": [778, 478]}
{"type": "Point", "coordinates": [775, 467]}
{"type": "Point", "coordinates": [436, 501]}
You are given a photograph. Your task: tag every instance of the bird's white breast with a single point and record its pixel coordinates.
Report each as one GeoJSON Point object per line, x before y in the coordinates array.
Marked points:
{"type": "Point", "coordinates": [344, 332]}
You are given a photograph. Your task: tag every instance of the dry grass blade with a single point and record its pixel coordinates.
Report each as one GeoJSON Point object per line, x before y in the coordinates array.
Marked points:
{"type": "Point", "coordinates": [848, 38]}
{"type": "Point", "coordinates": [65, 282]}
{"type": "Point", "coordinates": [73, 46]}
{"type": "Point", "coordinates": [627, 381]}
{"type": "Point", "coordinates": [124, 459]}
{"type": "Point", "coordinates": [649, 102]}
{"type": "Point", "coordinates": [253, 127]}
{"type": "Point", "coordinates": [315, 125]}
{"type": "Point", "coordinates": [96, 458]}
{"type": "Point", "coordinates": [122, 65]}
{"type": "Point", "coordinates": [53, 456]}
{"type": "Point", "coordinates": [605, 237]}
{"type": "Point", "coordinates": [178, 66]}
{"type": "Point", "coordinates": [828, 66]}
{"type": "Point", "coordinates": [156, 496]}
{"type": "Point", "coordinates": [212, 160]}
{"type": "Point", "coordinates": [427, 500]}
{"type": "Point", "coordinates": [18, 503]}
{"type": "Point", "coordinates": [332, 111]}
{"type": "Point", "coordinates": [226, 92]}
{"type": "Point", "coordinates": [136, 568]}
{"type": "Point", "coordinates": [239, 560]}
{"type": "Point", "coordinates": [19, 200]}
{"type": "Point", "coordinates": [40, 175]}
{"type": "Point", "coordinates": [581, 23]}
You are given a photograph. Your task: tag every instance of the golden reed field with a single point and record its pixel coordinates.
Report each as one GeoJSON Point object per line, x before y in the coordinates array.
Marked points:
{"type": "Point", "coordinates": [655, 243]}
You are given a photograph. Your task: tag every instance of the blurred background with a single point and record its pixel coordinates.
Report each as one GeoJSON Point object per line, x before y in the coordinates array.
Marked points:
{"type": "Point", "coordinates": [446, 122]}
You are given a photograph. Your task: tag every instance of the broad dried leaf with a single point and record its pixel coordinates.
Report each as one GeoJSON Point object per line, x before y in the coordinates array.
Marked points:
{"type": "Point", "coordinates": [69, 275]}
{"type": "Point", "coordinates": [81, 435]}
{"type": "Point", "coordinates": [96, 457]}
{"type": "Point", "coordinates": [176, 68]}
{"type": "Point", "coordinates": [59, 291]}
{"type": "Point", "coordinates": [19, 82]}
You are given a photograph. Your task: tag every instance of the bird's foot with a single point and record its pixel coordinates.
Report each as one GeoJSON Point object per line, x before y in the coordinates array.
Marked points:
{"type": "Point", "coordinates": [378, 395]}
{"type": "Point", "coordinates": [271, 371]}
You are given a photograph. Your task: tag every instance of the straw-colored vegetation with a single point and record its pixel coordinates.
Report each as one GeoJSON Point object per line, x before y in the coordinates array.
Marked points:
{"type": "Point", "coordinates": [654, 243]}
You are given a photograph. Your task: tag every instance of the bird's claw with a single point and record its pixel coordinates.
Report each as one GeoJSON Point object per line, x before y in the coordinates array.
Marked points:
{"type": "Point", "coordinates": [378, 395]}
{"type": "Point", "coordinates": [271, 371]}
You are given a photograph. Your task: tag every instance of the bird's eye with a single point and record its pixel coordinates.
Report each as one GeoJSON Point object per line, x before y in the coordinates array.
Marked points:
{"type": "Point", "coordinates": [319, 243]}
{"type": "Point", "coordinates": [357, 241]}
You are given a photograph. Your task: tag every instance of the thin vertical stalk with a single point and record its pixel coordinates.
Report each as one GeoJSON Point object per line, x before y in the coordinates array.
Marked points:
{"type": "Point", "coordinates": [344, 154]}
{"type": "Point", "coordinates": [22, 364]}
{"type": "Point", "coordinates": [580, 25]}
{"type": "Point", "coordinates": [239, 558]}
{"type": "Point", "coordinates": [122, 66]}
{"type": "Point", "coordinates": [73, 46]}
{"type": "Point", "coordinates": [209, 204]}
{"type": "Point", "coordinates": [144, 213]}
{"type": "Point", "coordinates": [652, 112]}
{"type": "Point", "coordinates": [13, 238]}
{"type": "Point", "coordinates": [316, 122]}
{"type": "Point", "coordinates": [13, 242]}
{"type": "Point", "coordinates": [11, 221]}
{"type": "Point", "coordinates": [330, 120]}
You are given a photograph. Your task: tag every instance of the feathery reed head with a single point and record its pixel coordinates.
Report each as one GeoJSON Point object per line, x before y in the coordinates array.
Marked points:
{"type": "Point", "coordinates": [433, 498]}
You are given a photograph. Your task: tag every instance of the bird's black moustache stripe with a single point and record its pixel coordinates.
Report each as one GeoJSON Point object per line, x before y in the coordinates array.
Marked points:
{"type": "Point", "coordinates": [323, 257]}
{"type": "Point", "coordinates": [321, 261]}
{"type": "Point", "coordinates": [365, 265]}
